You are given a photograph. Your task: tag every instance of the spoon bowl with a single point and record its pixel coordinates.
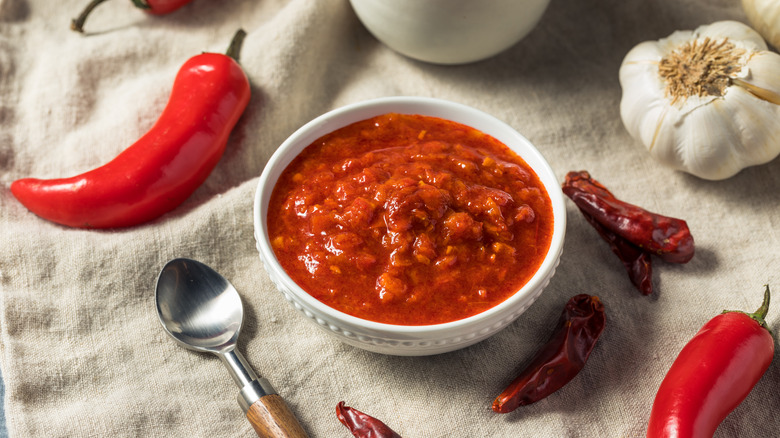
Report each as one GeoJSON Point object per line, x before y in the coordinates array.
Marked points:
{"type": "Point", "coordinates": [202, 311]}
{"type": "Point", "coordinates": [198, 308]}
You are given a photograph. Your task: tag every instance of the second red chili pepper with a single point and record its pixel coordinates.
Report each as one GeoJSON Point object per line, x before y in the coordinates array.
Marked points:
{"type": "Point", "coordinates": [713, 373]}
{"type": "Point", "coordinates": [561, 359]}
{"type": "Point", "coordinates": [164, 167]}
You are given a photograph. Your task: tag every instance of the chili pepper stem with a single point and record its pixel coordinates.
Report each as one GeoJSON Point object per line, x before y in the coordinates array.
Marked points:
{"type": "Point", "coordinates": [77, 23]}
{"type": "Point", "coordinates": [234, 49]}
{"type": "Point", "coordinates": [760, 314]}
{"type": "Point", "coordinates": [141, 4]}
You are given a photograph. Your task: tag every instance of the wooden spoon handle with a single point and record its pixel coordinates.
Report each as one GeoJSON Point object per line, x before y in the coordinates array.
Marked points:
{"type": "Point", "coordinates": [271, 418]}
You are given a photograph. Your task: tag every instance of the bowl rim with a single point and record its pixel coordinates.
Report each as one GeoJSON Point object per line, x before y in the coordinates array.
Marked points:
{"type": "Point", "coordinates": [350, 113]}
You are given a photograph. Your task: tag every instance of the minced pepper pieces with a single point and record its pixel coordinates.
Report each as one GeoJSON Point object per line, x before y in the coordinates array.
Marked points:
{"type": "Point", "coordinates": [410, 219]}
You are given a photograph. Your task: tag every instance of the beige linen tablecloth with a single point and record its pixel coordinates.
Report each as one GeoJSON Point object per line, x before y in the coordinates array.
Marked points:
{"type": "Point", "coordinates": [83, 354]}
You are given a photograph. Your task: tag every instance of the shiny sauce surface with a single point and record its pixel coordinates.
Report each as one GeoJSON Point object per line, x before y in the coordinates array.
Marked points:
{"type": "Point", "coordinates": [409, 220]}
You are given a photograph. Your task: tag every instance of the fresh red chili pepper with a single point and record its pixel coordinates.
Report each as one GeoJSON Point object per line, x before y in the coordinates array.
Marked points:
{"type": "Point", "coordinates": [162, 169]}
{"type": "Point", "coordinates": [155, 7]}
{"type": "Point", "coordinates": [668, 238]}
{"type": "Point", "coordinates": [637, 262]}
{"type": "Point", "coordinates": [562, 357]}
{"type": "Point", "coordinates": [363, 425]}
{"type": "Point", "coordinates": [713, 373]}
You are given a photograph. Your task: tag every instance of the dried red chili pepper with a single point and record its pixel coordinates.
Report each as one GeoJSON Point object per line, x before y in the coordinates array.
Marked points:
{"type": "Point", "coordinates": [363, 425]}
{"type": "Point", "coordinates": [637, 262]}
{"type": "Point", "coordinates": [713, 373]}
{"type": "Point", "coordinates": [668, 238]}
{"type": "Point", "coordinates": [562, 357]}
{"type": "Point", "coordinates": [162, 169]}
{"type": "Point", "coordinates": [155, 7]}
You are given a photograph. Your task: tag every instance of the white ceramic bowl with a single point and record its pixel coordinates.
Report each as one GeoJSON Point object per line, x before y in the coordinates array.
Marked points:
{"type": "Point", "coordinates": [397, 339]}
{"type": "Point", "coordinates": [449, 31]}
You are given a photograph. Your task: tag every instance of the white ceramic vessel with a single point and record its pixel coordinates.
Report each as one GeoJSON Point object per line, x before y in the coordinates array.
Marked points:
{"type": "Point", "coordinates": [449, 31]}
{"type": "Point", "coordinates": [397, 339]}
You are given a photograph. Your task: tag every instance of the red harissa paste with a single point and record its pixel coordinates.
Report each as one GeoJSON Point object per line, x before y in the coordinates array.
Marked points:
{"type": "Point", "coordinates": [410, 220]}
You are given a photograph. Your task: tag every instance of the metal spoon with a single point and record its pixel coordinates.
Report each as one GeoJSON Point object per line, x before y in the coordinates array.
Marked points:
{"type": "Point", "coordinates": [202, 311]}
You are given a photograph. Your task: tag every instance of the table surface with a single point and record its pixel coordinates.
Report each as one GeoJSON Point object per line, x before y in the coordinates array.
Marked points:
{"type": "Point", "coordinates": [81, 349]}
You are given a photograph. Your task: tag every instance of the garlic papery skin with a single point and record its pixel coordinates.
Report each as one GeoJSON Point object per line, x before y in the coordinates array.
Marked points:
{"type": "Point", "coordinates": [764, 16]}
{"type": "Point", "coordinates": [706, 101]}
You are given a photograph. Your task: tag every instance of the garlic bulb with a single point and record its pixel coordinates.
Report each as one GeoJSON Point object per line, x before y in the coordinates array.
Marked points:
{"type": "Point", "coordinates": [764, 16]}
{"type": "Point", "coordinates": [705, 101]}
